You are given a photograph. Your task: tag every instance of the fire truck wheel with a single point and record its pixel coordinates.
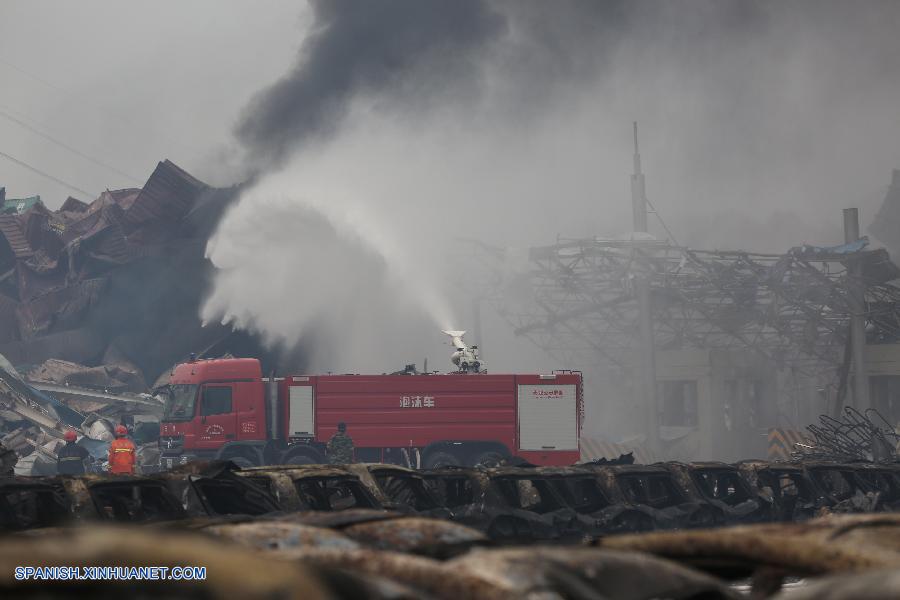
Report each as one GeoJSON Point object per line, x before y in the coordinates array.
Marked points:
{"type": "Point", "coordinates": [489, 458]}
{"type": "Point", "coordinates": [242, 461]}
{"type": "Point", "coordinates": [301, 459]}
{"type": "Point", "coordinates": [436, 460]}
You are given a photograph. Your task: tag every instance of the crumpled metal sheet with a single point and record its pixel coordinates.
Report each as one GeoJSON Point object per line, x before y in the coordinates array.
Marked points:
{"type": "Point", "coordinates": [65, 265]}
{"type": "Point", "coordinates": [341, 518]}
{"type": "Point", "coordinates": [281, 535]}
{"type": "Point", "coordinates": [550, 572]}
{"type": "Point", "coordinates": [109, 377]}
{"type": "Point", "coordinates": [428, 576]}
{"type": "Point", "coordinates": [417, 535]}
{"type": "Point", "coordinates": [837, 543]}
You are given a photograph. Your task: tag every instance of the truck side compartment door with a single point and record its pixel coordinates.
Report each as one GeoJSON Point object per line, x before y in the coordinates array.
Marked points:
{"type": "Point", "coordinates": [302, 412]}
{"type": "Point", "coordinates": [548, 417]}
{"type": "Point", "coordinates": [217, 416]}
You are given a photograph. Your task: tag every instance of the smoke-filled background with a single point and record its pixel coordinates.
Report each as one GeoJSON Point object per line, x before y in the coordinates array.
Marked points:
{"type": "Point", "coordinates": [381, 134]}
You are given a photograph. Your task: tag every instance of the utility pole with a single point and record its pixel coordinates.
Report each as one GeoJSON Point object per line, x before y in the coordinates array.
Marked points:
{"type": "Point", "coordinates": [856, 292]}
{"type": "Point", "coordinates": [638, 190]}
{"type": "Point", "coordinates": [646, 379]}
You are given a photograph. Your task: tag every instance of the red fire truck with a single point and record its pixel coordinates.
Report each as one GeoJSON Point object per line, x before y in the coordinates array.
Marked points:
{"type": "Point", "coordinates": [224, 408]}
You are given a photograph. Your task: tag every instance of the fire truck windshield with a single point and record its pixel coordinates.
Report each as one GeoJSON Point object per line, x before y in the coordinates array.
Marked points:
{"type": "Point", "coordinates": [180, 402]}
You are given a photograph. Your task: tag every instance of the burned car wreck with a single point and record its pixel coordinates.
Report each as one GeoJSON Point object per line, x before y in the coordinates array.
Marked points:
{"type": "Point", "coordinates": [547, 503]}
{"type": "Point", "coordinates": [724, 489]}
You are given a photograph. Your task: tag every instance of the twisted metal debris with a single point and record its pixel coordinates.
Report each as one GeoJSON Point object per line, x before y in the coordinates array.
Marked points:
{"type": "Point", "coordinates": [856, 436]}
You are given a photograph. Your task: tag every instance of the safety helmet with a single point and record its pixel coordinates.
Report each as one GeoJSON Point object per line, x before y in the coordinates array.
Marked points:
{"type": "Point", "coordinates": [120, 430]}
{"type": "Point", "coordinates": [70, 435]}
{"type": "Point", "coordinates": [342, 426]}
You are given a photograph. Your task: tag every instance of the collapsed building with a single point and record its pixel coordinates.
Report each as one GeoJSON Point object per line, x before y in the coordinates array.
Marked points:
{"type": "Point", "coordinates": [110, 282]}
{"type": "Point", "coordinates": [118, 282]}
{"type": "Point", "coordinates": [98, 300]}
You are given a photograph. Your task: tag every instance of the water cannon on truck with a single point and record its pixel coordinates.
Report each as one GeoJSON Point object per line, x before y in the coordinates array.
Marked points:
{"type": "Point", "coordinates": [466, 357]}
{"type": "Point", "coordinates": [226, 409]}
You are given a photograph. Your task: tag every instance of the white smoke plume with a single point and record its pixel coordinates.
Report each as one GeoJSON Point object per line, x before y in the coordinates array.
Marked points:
{"type": "Point", "coordinates": [759, 122]}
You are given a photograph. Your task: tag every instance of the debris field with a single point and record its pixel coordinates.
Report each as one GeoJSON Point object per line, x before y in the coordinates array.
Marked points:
{"type": "Point", "coordinates": [668, 530]}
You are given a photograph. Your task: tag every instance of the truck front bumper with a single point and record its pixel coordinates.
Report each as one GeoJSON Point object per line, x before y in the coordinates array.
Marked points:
{"type": "Point", "coordinates": [169, 460]}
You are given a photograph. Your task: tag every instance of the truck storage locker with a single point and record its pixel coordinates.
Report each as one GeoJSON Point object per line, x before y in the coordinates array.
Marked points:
{"type": "Point", "coordinates": [548, 417]}
{"type": "Point", "coordinates": [302, 421]}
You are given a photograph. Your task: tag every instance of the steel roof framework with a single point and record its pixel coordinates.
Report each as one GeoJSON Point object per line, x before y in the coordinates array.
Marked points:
{"type": "Point", "coordinates": [576, 300]}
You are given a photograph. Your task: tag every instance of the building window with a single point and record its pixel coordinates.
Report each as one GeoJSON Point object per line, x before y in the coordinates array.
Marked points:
{"type": "Point", "coordinates": [885, 393]}
{"type": "Point", "coordinates": [743, 408]}
{"type": "Point", "coordinates": [678, 403]}
{"type": "Point", "coordinates": [753, 402]}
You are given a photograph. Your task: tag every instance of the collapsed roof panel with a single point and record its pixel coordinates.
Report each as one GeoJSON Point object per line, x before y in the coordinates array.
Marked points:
{"type": "Point", "coordinates": [168, 195]}
{"type": "Point", "coordinates": [83, 345]}
{"type": "Point", "coordinates": [73, 205]}
{"type": "Point", "coordinates": [59, 309]}
{"type": "Point", "coordinates": [13, 231]}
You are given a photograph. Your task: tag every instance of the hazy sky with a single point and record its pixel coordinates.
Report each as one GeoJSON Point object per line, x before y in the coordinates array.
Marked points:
{"type": "Point", "coordinates": [782, 111]}
{"type": "Point", "coordinates": [131, 83]}
{"type": "Point", "coordinates": [405, 130]}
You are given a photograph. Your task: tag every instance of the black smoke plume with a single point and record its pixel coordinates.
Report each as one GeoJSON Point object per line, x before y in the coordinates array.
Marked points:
{"type": "Point", "coordinates": [365, 47]}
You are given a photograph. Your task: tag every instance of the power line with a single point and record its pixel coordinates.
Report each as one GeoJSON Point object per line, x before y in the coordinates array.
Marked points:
{"type": "Point", "coordinates": [34, 77]}
{"type": "Point", "coordinates": [47, 175]}
{"type": "Point", "coordinates": [50, 138]}
{"type": "Point", "coordinates": [75, 100]}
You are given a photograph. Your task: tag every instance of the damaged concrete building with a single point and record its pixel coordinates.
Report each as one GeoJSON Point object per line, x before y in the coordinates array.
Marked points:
{"type": "Point", "coordinates": [745, 345]}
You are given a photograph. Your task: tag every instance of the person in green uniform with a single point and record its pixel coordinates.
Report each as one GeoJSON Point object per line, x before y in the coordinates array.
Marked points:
{"type": "Point", "coordinates": [340, 446]}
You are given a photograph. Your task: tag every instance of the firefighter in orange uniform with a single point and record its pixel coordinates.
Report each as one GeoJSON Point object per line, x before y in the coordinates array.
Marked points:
{"type": "Point", "coordinates": [121, 453]}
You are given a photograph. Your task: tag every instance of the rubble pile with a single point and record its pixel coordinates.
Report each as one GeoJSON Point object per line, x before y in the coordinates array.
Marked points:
{"type": "Point", "coordinates": [116, 282]}
{"type": "Point", "coordinates": [33, 422]}
{"type": "Point", "coordinates": [116, 378]}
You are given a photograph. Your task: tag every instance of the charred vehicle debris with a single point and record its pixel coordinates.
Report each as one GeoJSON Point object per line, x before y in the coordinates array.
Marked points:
{"type": "Point", "coordinates": [506, 504]}
{"type": "Point", "coordinates": [455, 530]}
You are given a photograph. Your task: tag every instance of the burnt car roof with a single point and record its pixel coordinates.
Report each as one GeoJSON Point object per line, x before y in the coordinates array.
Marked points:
{"type": "Point", "coordinates": [382, 467]}
{"type": "Point", "coordinates": [831, 465]}
{"type": "Point", "coordinates": [537, 471]}
{"type": "Point", "coordinates": [626, 469]}
{"type": "Point", "coordinates": [759, 465]}
{"type": "Point", "coordinates": [703, 465]}
{"type": "Point", "coordinates": [301, 470]}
